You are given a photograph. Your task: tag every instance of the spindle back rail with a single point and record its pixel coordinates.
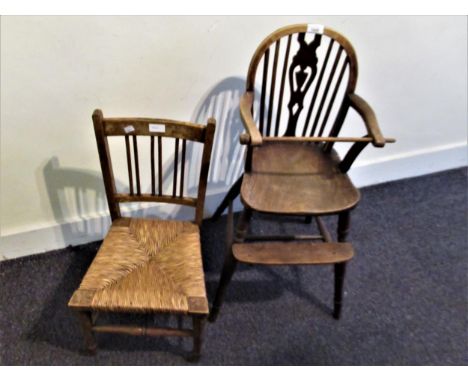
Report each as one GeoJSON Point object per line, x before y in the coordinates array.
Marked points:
{"type": "Point", "coordinates": [156, 130]}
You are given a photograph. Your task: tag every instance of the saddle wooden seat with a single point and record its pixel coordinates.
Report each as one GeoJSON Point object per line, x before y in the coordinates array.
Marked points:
{"type": "Point", "coordinates": [146, 266]}
{"type": "Point", "coordinates": [297, 178]}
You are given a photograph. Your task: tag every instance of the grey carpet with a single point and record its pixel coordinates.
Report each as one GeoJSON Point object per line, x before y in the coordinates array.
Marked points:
{"type": "Point", "coordinates": [405, 304]}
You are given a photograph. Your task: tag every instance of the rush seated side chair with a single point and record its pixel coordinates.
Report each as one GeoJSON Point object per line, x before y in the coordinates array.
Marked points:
{"type": "Point", "coordinates": [308, 74]}
{"type": "Point", "coordinates": [148, 266]}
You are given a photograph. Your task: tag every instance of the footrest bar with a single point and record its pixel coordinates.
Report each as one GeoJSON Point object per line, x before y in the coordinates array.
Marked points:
{"type": "Point", "coordinates": [292, 252]}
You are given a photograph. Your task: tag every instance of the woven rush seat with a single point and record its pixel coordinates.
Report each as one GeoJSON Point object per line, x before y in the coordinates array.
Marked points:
{"type": "Point", "coordinates": [146, 266]}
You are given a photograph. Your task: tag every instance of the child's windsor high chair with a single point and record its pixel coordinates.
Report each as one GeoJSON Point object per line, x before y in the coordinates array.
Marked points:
{"type": "Point", "coordinates": [308, 75]}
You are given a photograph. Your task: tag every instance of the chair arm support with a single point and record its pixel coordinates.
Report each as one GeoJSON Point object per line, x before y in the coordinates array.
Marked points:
{"type": "Point", "coordinates": [351, 156]}
{"type": "Point", "coordinates": [370, 120]}
{"type": "Point", "coordinates": [246, 103]}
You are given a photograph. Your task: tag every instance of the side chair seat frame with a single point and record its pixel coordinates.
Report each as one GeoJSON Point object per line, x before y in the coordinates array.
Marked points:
{"type": "Point", "coordinates": [86, 308]}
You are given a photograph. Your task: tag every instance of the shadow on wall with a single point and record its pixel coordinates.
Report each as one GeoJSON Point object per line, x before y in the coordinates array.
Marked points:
{"type": "Point", "coordinates": [77, 196]}
{"type": "Point", "coordinates": [227, 158]}
{"type": "Point", "coordinates": [78, 201]}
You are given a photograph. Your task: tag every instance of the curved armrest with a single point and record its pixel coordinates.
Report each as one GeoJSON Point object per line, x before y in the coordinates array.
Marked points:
{"type": "Point", "coordinates": [246, 103]}
{"type": "Point", "coordinates": [370, 120]}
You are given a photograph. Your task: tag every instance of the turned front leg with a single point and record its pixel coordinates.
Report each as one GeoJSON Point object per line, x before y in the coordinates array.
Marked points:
{"type": "Point", "coordinates": [197, 338]}
{"type": "Point", "coordinates": [86, 322]}
{"type": "Point", "coordinates": [230, 263]}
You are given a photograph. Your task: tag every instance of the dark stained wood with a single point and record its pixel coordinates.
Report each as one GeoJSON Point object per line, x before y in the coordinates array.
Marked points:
{"type": "Point", "coordinates": [282, 237]}
{"type": "Point", "coordinates": [197, 338]}
{"type": "Point", "coordinates": [142, 331]}
{"type": "Point", "coordinates": [262, 53]}
{"type": "Point", "coordinates": [160, 178]}
{"type": "Point", "coordinates": [126, 198]}
{"type": "Point", "coordinates": [326, 90]}
{"type": "Point", "coordinates": [332, 99]}
{"type": "Point", "coordinates": [302, 28]}
{"type": "Point", "coordinates": [295, 175]}
{"type": "Point", "coordinates": [248, 158]}
{"type": "Point", "coordinates": [336, 127]}
{"type": "Point", "coordinates": [292, 253]}
{"type": "Point", "coordinates": [176, 165]}
{"type": "Point", "coordinates": [122, 222]}
{"type": "Point", "coordinates": [230, 263]}
{"type": "Point", "coordinates": [317, 88]}
{"type": "Point", "coordinates": [351, 155]}
{"type": "Point", "coordinates": [173, 129]}
{"type": "Point", "coordinates": [129, 164]}
{"type": "Point", "coordinates": [344, 219]}
{"type": "Point", "coordinates": [322, 139]}
{"type": "Point", "coordinates": [153, 176]}
{"type": "Point", "coordinates": [87, 326]}
{"type": "Point", "coordinates": [297, 178]}
{"type": "Point", "coordinates": [323, 230]}
{"type": "Point", "coordinates": [205, 166]}
{"type": "Point", "coordinates": [137, 165]}
{"type": "Point", "coordinates": [283, 77]}
{"type": "Point", "coordinates": [272, 87]}
{"type": "Point", "coordinates": [82, 299]}
{"type": "Point", "coordinates": [162, 128]}
{"type": "Point", "coordinates": [264, 84]}
{"type": "Point", "coordinates": [231, 195]}
{"type": "Point", "coordinates": [246, 102]}
{"type": "Point", "coordinates": [299, 29]}
{"type": "Point", "coordinates": [230, 228]}
{"type": "Point", "coordinates": [300, 80]}
{"type": "Point", "coordinates": [243, 225]}
{"type": "Point", "coordinates": [370, 120]}
{"type": "Point", "coordinates": [340, 270]}
{"type": "Point", "coordinates": [182, 168]}
{"type": "Point", "coordinates": [106, 164]}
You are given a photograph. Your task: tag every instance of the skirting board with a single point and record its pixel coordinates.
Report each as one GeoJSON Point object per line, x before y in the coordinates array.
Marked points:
{"type": "Point", "coordinates": [92, 228]}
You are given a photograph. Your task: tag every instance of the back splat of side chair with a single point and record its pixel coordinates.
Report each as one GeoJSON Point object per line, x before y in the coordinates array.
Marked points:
{"type": "Point", "coordinates": [148, 266]}
{"type": "Point", "coordinates": [291, 167]}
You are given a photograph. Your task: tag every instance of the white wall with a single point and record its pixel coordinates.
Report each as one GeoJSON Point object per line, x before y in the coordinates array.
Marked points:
{"type": "Point", "coordinates": [56, 70]}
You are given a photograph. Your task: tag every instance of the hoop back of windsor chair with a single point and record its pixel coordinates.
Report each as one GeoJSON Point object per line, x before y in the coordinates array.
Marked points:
{"type": "Point", "coordinates": [307, 74]}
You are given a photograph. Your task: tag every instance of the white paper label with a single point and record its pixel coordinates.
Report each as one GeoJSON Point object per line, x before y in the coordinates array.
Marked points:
{"type": "Point", "coordinates": [157, 128]}
{"type": "Point", "coordinates": [315, 28]}
{"type": "Point", "coordinates": [129, 129]}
